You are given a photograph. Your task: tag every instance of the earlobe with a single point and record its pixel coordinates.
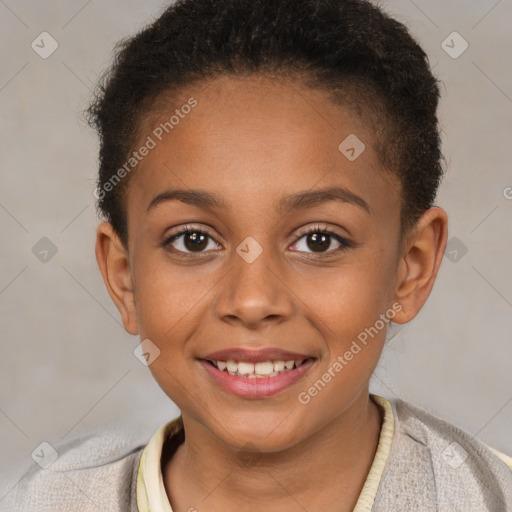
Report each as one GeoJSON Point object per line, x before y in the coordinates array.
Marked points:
{"type": "Point", "coordinates": [420, 261]}
{"type": "Point", "coordinates": [112, 258]}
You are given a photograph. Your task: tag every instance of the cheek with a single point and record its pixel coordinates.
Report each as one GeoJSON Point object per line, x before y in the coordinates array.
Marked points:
{"type": "Point", "coordinates": [353, 310]}
{"type": "Point", "coordinates": [353, 294]}
{"type": "Point", "coordinates": [170, 303]}
{"type": "Point", "coordinates": [349, 316]}
{"type": "Point", "coordinates": [167, 297]}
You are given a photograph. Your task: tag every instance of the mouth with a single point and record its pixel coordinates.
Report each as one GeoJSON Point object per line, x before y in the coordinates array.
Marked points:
{"type": "Point", "coordinates": [256, 374]}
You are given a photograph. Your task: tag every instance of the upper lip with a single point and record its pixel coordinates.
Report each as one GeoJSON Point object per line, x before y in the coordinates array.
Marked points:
{"type": "Point", "coordinates": [254, 355]}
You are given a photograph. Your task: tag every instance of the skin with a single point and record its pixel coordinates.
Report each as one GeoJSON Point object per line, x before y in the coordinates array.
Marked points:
{"type": "Point", "coordinates": [253, 141]}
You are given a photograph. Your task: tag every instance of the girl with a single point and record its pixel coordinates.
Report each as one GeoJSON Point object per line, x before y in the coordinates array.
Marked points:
{"type": "Point", "coordinates": [268, 171]}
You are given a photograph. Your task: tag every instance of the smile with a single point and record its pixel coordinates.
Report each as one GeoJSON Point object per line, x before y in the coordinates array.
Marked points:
{"type": "Point", "coordinates": [261, 379]}
{"type": "Point", "coordinates": [260, 370]}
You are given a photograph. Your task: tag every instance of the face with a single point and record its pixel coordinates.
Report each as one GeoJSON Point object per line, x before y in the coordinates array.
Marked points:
{"type": "Point", "coordinates": [260, 265]}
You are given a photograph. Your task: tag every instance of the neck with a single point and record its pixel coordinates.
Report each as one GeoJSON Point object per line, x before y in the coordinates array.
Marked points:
{"type": "Point", "coordinates": [325, 472]}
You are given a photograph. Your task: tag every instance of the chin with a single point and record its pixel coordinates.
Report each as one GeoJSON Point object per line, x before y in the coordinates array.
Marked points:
{"type": "Point", "coordinates": [267, 436]}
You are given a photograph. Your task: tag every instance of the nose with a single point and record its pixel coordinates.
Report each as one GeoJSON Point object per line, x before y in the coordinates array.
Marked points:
{"type": "Point", "coordinates": [254, 294]}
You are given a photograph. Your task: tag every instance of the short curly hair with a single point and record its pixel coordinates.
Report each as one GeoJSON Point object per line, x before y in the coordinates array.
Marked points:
{"type": "Point", "coordinates": [350, 48]}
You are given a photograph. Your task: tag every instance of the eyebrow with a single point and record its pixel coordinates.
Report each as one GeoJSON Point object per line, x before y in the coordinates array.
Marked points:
{"type": "Point", "coordinates": [299, 200]}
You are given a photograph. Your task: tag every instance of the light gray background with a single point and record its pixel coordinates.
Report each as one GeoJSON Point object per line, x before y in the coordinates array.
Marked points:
{"type": "Point", "coordinates": [67, 364]}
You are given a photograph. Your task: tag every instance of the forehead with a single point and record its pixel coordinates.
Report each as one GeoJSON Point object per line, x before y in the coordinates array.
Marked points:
{"type": "Point", "coordinates": [252, 140]}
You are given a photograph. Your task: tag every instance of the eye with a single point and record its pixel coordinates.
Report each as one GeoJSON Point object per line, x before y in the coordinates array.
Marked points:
{"type": "Point", "coordinates": [320, 240]}
{"type": "Point", "coordinates": [191, 240]}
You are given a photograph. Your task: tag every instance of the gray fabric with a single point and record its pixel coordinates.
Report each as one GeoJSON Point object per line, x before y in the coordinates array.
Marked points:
{"type": "Point", "coordinates": [418, 477]}
{"type": "Point", "coordinates": [93, 473]}
{"type": "Point", "coordinates": [99, 472]}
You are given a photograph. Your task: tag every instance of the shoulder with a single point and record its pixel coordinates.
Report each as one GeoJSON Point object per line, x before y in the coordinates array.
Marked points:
{"type": "Point", "coordinates": [90, 473]}
{"type": "Point", "coordinates": [434, 461]}
{"type": "Point", "coordinates": [443, 437]}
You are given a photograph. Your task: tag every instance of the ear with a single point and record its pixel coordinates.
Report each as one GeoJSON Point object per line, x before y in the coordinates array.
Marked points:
{"type": "Point", "coordinates": [421, 255]}
{"type": "Point", "coordinates": [112, 258]}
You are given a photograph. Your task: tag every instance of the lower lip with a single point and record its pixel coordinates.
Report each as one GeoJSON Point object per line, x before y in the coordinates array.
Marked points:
{"type": "Point", "coordinates": [256, 387]}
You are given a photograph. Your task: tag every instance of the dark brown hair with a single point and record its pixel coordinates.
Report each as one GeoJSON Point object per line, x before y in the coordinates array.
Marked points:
{"type": "Point", "coordinates": [348, 47]}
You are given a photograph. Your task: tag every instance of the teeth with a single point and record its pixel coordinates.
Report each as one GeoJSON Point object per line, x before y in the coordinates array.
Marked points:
{"type": "Point", "coordinates": [260, 370]}
{"type": "Point", "coordinates": [279, 366]}
{"type": "Point", "coordinates": [263, 368]}
{"type": "Point", "coordinates": [246, 368]}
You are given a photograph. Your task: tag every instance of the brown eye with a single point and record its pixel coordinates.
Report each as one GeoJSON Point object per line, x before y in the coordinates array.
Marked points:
{"type": "Point", "coordinates": [195, 241]}
{"type": "Point", "coordinates": [320, 241]}
{"type": "Point", "coordinates": [191, 241]}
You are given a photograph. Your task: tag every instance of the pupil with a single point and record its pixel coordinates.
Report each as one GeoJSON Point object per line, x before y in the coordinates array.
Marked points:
{"type": "Point", "coordinates": [195, 241]}
{"type": "Point", "coordinates": [318, 242]}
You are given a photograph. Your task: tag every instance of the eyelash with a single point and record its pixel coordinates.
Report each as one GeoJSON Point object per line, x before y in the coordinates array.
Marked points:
{"type": "Point", "coordinates": [344, 243]}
